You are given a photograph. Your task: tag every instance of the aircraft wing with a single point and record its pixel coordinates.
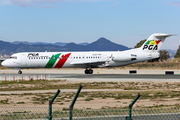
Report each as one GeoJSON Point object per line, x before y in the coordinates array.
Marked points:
{"type": "Point", "coordinates": [88, 62]}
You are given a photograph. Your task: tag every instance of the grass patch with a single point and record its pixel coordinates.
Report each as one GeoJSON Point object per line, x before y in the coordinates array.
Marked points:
{"type": "Point", "coordinates": [159, 92]}
{"type": "Point", "coordinates": [88, 99]}
{"type": "Point", "coordinates": [6, 101]}
{"type": "Point", "coordinates": [20, 103]}
{"type": "Point", "coordinates": [54, 84]}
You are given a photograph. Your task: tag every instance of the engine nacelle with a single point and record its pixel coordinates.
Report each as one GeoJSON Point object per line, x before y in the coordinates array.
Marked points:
{"type": "Point", "coordinates": [123, 57]}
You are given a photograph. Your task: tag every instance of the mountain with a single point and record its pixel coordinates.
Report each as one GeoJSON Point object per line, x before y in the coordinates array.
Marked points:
{"type": "Point", "coordinates": [60, 43]}
{"type": "Point", "coordinates": [171, 52]}
{"type": "Point", "coordinates": [101, 44]}
{"type": "Point", "coordinates": [18, 42]}
{"type": "Point", "coordinates": [44, 43]}
{"type": "Point", "coordinates": [74, 47]}
{"type": "Point", "coordinates": [63, 44]}
{"type": "Point", "coordinates": [85, 43]}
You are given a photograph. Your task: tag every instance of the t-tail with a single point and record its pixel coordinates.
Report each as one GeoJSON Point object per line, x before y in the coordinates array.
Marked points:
{"type": "Point", "coordinates": [154, 42]}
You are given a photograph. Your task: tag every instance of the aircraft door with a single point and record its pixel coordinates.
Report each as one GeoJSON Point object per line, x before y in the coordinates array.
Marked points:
{"type": "Point", "coordinates": [23, 60]}
{"type": "Point", "coordinates": [106, 57]}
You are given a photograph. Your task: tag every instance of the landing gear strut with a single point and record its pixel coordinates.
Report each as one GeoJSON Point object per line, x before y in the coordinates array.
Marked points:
{"type": "Point", "coordinates": [88, 71]}
{"type": "Point", "coordinates": [19, 72]}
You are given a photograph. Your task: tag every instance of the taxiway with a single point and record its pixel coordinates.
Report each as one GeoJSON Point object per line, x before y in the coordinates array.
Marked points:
{"type": "Point", "coordinates": [99, 74]}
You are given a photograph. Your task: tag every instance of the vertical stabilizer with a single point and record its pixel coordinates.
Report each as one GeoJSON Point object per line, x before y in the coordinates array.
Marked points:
{"type": "Point", "coordinates": [154, 42]}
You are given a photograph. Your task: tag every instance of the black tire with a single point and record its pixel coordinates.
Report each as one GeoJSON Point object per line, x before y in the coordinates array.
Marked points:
{"type": "Point", "coordinates": [90, 71]}
{"type": "Point", "coordinates": [19, 72]}
{"type": "Point", "coordinates": [86, 71]}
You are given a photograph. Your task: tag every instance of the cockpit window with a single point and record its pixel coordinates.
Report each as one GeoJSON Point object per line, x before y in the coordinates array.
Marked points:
{"type": "Point", "coordinates": [13, 57]}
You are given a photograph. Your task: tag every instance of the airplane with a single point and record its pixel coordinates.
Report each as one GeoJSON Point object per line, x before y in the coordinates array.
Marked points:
{"type": "Point", "coordinates": [88, 60]}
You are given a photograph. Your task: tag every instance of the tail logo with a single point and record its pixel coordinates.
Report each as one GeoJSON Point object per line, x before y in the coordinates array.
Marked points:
{"type": "Point", "coordinates": [151, 45]}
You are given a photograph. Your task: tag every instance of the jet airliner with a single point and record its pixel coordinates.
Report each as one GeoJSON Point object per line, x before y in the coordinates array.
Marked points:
{"type": "Point", "coordinates": [88, 60]}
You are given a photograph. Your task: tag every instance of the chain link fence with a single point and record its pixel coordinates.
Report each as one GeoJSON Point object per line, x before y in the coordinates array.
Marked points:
{"type": "Point", "coordinates": [41, 113]}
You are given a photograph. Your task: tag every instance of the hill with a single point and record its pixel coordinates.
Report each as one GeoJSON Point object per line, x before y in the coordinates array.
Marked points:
{"type": "Point", "coordinates": [101, 44]}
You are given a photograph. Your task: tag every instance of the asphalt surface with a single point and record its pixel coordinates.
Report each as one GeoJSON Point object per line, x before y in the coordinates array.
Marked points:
{"type": "Point", "coordinates": [93, 76]}
{"type": "Point", "coordinates": [116, 76]}
{"type": "Point", "coordinates": [99, 74]}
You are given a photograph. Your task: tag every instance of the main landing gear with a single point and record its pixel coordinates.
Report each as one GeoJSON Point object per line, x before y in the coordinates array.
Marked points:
{"type": "Point", "coordinates": [19, 72]}
{"type": "Point", "coordinates": [88, 71]}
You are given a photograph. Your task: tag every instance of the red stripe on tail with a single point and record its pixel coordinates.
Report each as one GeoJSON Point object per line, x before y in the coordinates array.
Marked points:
{"type": "Point", "coordinates": [158, 41]}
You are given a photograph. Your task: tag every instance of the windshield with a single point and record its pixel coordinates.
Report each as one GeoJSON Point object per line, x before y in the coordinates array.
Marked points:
{"type": "Point", "coordinates": [13, 57]}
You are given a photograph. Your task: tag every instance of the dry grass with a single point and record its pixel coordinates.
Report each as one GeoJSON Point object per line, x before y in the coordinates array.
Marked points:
{"type": "Point", "coordinates": [54, 84]}
{"type": "Point", "coordinates": [153, 94]}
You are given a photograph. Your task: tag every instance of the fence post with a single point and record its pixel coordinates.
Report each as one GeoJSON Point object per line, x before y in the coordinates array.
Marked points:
{"type": "Point", "coordinates": [130, 107]}
{"type": "Point", "coordinates": [73, 102]}
{"type": "Point", "coordinates": [50, 104]}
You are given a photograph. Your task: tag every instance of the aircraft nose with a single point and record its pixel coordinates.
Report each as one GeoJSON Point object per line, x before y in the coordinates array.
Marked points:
{"type": "Point", "coordinates": [4, 63]}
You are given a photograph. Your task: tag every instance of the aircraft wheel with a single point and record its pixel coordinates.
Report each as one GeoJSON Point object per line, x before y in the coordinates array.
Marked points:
{"type": "Point", "coordinates": [19, 72]}
{"type": "Point", "coordinates": [90, 71]}
{"type": "Point", "coordinates": [86, 71]}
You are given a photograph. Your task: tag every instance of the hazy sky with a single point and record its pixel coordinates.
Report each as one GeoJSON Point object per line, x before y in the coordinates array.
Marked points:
{"type": "Point", "coordinates": [124, 22]}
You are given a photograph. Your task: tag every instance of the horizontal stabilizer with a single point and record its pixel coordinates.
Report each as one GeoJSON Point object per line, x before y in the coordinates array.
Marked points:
{"type": "Point", "coordinates": [164, 35]}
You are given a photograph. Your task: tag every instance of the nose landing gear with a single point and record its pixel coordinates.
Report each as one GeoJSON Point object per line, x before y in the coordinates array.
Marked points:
{"type": "Point", "coordinates": [19, 72]}
{"type": "Point", "coordinates": [88, 71]}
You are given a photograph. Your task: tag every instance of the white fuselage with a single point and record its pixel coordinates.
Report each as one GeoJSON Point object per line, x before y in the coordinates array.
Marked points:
{"type": "Point", "coordinates": [77, 59]}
